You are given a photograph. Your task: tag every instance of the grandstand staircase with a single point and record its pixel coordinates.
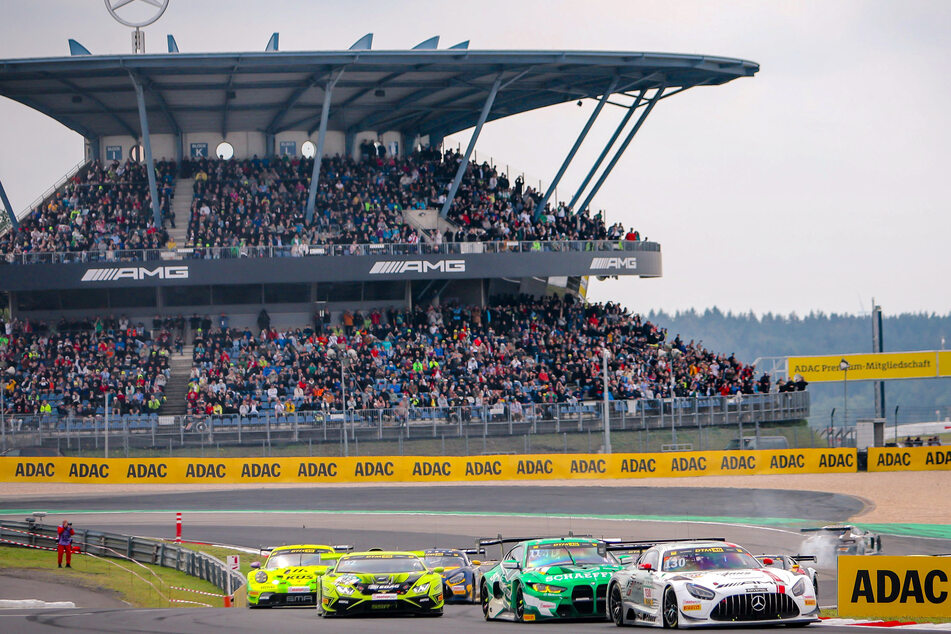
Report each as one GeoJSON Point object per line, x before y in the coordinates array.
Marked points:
{"type": "Point", "coordinates": [177, 386]}
{"type": "Point", "coordinates": [182, 206]}
{"type": "Point", "coordinates": [426, 221]}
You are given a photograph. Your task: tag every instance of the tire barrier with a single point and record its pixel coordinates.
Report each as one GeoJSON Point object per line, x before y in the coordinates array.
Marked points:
{"type": "Point", "coordinates": [426, 468]}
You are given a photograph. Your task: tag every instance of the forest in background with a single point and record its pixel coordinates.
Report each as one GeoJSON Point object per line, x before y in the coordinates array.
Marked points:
{"type": "Point", "coordinates": [751, 337]}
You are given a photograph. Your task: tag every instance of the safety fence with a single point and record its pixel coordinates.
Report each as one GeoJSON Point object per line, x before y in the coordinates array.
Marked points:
{"type": "Point", "coordinates": [134, 549]}
{"type": "Point", "coordinates": [331, 250]}
{"type": "Point", "coordinates": [386, 469]}
{"type": "Point", "coordinates": [745, 413]}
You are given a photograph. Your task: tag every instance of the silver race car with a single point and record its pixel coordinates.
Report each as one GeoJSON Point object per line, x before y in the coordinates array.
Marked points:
{"type": "Point", "coordinates": [706, 583]}
{"type": "Point", "coordinates": [848, 539]}
{"type": "Point", "coordinates": [793, 563]}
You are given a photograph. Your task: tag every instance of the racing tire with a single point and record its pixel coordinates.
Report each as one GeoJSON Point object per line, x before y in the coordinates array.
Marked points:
{"type": "Point", "coordinates": [484, 597]}
{"type": "Point", "coordinates": [670, 610]}
{"type": "Point", "coordinates": [615, 605]}
{"type": "Point", "coordinates": [518, 604]}
{"type": "Point", "coordinates": [815, 586]}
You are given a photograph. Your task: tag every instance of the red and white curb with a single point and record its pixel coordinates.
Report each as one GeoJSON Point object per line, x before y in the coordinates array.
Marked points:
{"type": "Point", "coordinates": [911, 625]}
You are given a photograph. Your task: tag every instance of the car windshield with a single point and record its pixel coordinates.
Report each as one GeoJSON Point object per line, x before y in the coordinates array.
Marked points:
{"type": "Point", "coordinates": [287, 559]}
{"type": "Point", "coordinates": [566, 553]}
{"type": "Point", "coordinates": [445, 561]}
{"type": "Point", "coordinates": [708, 558]}
{"type": "Point", "coordinates": [380, 564]}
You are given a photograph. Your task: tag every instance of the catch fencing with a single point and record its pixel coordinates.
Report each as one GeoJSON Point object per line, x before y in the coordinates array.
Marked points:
{"type": "Point", "coordinates": [745, 413]}
{"type": "Point", "coordinates": [139, 549]}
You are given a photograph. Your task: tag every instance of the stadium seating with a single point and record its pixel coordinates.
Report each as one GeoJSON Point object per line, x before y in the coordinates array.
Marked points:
{"type": "Point", "coordinates": [67, 370]}
{"type": "Point", "coordinates": [103, 209]}
{"type": "Point", "coordinates": [520, 350]}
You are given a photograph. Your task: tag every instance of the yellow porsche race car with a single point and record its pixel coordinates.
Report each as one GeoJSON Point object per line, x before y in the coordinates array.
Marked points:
{"type": "Point", "coordinates": [290, 575]}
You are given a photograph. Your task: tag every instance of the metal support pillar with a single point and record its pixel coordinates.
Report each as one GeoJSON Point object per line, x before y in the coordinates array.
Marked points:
{"type": "Point", "coordinates": [878, 345]}
{"type": "Point", "coordinates": [321, 137]}
{"type": "Point", "coordinates": [574, 148]}
{"type": "Point", "coordinates": [6, 205]}
{"type": "Point", "coordinates": [349, 142]}
{"type": "Point", "coordinates": [147, 145]}
{"type": "Point", "coordinates": [179, 149]}
{"type": "Point", "coordinates": [607, 148]}
{"type": "Point", "coordinates": [464, 164]}
{"type": "Point", "coordinates": [627, 141]}
{"type": "Point", "coordinates": [269, 145]}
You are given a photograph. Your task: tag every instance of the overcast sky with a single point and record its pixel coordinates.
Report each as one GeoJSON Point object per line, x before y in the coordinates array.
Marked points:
{"type": "Point", "coordinates": [817, 184]}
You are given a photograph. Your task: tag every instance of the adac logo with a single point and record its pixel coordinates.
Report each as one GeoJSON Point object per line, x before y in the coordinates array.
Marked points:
{"type": "Point", "coordinates": [391, 267]}
{"type": "Point", "coordinates": [135, 273]}
{"type": "Point", "coordinates": [629, 264]}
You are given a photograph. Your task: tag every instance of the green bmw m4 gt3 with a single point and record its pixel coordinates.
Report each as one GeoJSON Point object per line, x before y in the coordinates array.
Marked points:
{"type": "Point", "coordinates": [548, 578]}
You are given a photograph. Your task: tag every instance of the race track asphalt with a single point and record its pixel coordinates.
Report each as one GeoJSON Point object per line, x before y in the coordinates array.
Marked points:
{"type": "Point", "coordinates": [420, 517]}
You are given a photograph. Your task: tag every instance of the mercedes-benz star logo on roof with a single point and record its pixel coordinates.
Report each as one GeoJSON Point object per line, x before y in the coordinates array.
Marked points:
{"type": "Point", "coordinates": [133, 17]}
{"type": "Point", "coordinates": [758, 603]}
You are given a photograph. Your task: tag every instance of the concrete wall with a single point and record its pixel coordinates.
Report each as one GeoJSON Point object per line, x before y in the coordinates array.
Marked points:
{"type": "Point", "coordinates": [249, 144]}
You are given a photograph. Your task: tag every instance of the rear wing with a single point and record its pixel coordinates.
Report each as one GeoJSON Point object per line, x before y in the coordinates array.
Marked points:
{"type": "Point", "coordinates": [630, 546]}
{"type": "Point", "coordinates": [502, 541]}
{"type": "Point", "coordinates": [831, 529]}
{"type": "Point", "coordinates": [799, 558]}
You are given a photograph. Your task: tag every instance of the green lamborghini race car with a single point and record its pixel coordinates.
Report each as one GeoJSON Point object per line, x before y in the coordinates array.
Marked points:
{"type": "Point", "coordinates": [548, 578]}
{"type": "Point", "coordinates": [384, 583]}
{"type": "Point", "coordinates": [289, 575]}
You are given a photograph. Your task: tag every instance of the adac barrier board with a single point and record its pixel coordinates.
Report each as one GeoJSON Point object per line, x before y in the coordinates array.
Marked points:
{"type": "Point", "coordinates": [880, 366]}
{"type": "Point", "coordinates": [909, 458]}
{"type": "Point", "coordinates": [425, 468]}
{"type": "Point", "coordinates": [893, 587]}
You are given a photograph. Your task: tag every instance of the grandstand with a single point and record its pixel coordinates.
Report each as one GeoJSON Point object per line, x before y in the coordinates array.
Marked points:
{"type": "Point", "coordinates": [282, 237]}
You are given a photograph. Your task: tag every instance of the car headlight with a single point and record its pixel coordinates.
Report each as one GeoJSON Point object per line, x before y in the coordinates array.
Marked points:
{"type": "Point", "coordinates": [345, 590]}
{"type": "Point", "coordinates": [421, 588]}
{"type": "Point", "coordinates": [700, 592]}
{"type": "Point", "coordinates": [799, 587]}
{"type": "Point", "coordinates": [545, 588]}
{"type": "Point", "coordinates": [457, 578]}
{"type": "Point", "coordinates": [260, 576]}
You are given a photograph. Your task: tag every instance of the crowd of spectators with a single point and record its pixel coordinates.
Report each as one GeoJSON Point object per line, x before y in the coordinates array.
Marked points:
{"type": "Point", "coordinates": [104, 208]}
{"type": "Point", "coordinates": [262, 202]}
{"type": "Point", "coordinates": [68, 369]}
{"type": "Point", "coordinates": [517, 351]}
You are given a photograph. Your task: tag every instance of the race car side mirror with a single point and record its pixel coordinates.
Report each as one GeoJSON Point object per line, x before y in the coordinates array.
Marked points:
{"type": "Point", "coordinates": [476, 562]}
{"type": "Point", "coordinates": [439, 569]}
{"type": "Point", "coordinates": [646, 567]}
{"type": "Point", "coordinates": [255, 564]}
{"type": "Point", "coordinates": [767, 561]}
{"type": "Point", "coordinates": [510, 564]}
{"type": "Point", "coordinates": [625, 559]}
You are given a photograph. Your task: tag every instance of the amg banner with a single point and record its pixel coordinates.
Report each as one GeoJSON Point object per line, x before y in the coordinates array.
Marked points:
{"type": "Point", "coordinates": [327, 268]}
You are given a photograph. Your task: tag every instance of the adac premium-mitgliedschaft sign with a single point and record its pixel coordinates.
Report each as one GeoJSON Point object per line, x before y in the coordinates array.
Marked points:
{"type": "Point", "coordinates": [894, 586]}
{"type": "Point", "coordinates": [881, 366]}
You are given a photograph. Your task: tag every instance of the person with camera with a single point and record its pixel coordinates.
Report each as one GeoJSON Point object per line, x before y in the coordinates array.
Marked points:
{"type": "Point", "coordinates": [64, 543]}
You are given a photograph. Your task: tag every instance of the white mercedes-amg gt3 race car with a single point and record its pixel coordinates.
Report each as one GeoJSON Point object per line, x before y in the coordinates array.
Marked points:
{"type": "Point", "coordinates": [707, 583]}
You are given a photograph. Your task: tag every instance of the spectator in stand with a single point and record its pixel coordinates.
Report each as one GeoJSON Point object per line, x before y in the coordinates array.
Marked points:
{"type": "Point", "coordinates": [68, 370]}
{"type": "Point", "coordinates": [103, 209]}
{"type": "Point", "coordinates": [519, 350]}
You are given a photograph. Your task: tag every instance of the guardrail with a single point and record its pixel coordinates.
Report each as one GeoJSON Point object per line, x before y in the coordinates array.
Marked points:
{"type": "Point", "coordinates": [145, 551]}
{"type": "Point", "coordinates": [330, 250]}
{"type": "Point", "coordinates": [399, 424]}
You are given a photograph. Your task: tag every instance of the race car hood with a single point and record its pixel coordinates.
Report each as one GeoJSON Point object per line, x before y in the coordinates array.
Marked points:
{"type": "Point", "coordinates": [562, 573]}
{"type": "Point", "coordinates": [293, 574]}
{"type": "Point", "coordinates": [372, 583]}
{"type": "Point", "coordinates": [727, 580]}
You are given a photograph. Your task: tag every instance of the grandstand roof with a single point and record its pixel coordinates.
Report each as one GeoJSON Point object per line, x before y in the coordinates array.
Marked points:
{"type": "Point", "coordinates": [416, 91]}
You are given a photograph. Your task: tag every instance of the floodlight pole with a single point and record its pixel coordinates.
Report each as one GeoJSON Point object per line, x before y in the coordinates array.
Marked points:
{"type": "Point", "coordinates": [343, 396]}
{"type": "Point", "coordinates": [147, 145]}
{"type": "Point", "coordinates": [6, 205]}
{"type": "Point", "coordinates": [627, 141]}
{"type": "Point", "coordinates": [321, 137]}
{"type": "Point", "coordinates": [607, 148]}
{"type": "Point", "coordinates": [540, 207]}
{"type": "Point", "coordinates": [464, 164]}
{"type": "Point", "coordinates": [106, 426]}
